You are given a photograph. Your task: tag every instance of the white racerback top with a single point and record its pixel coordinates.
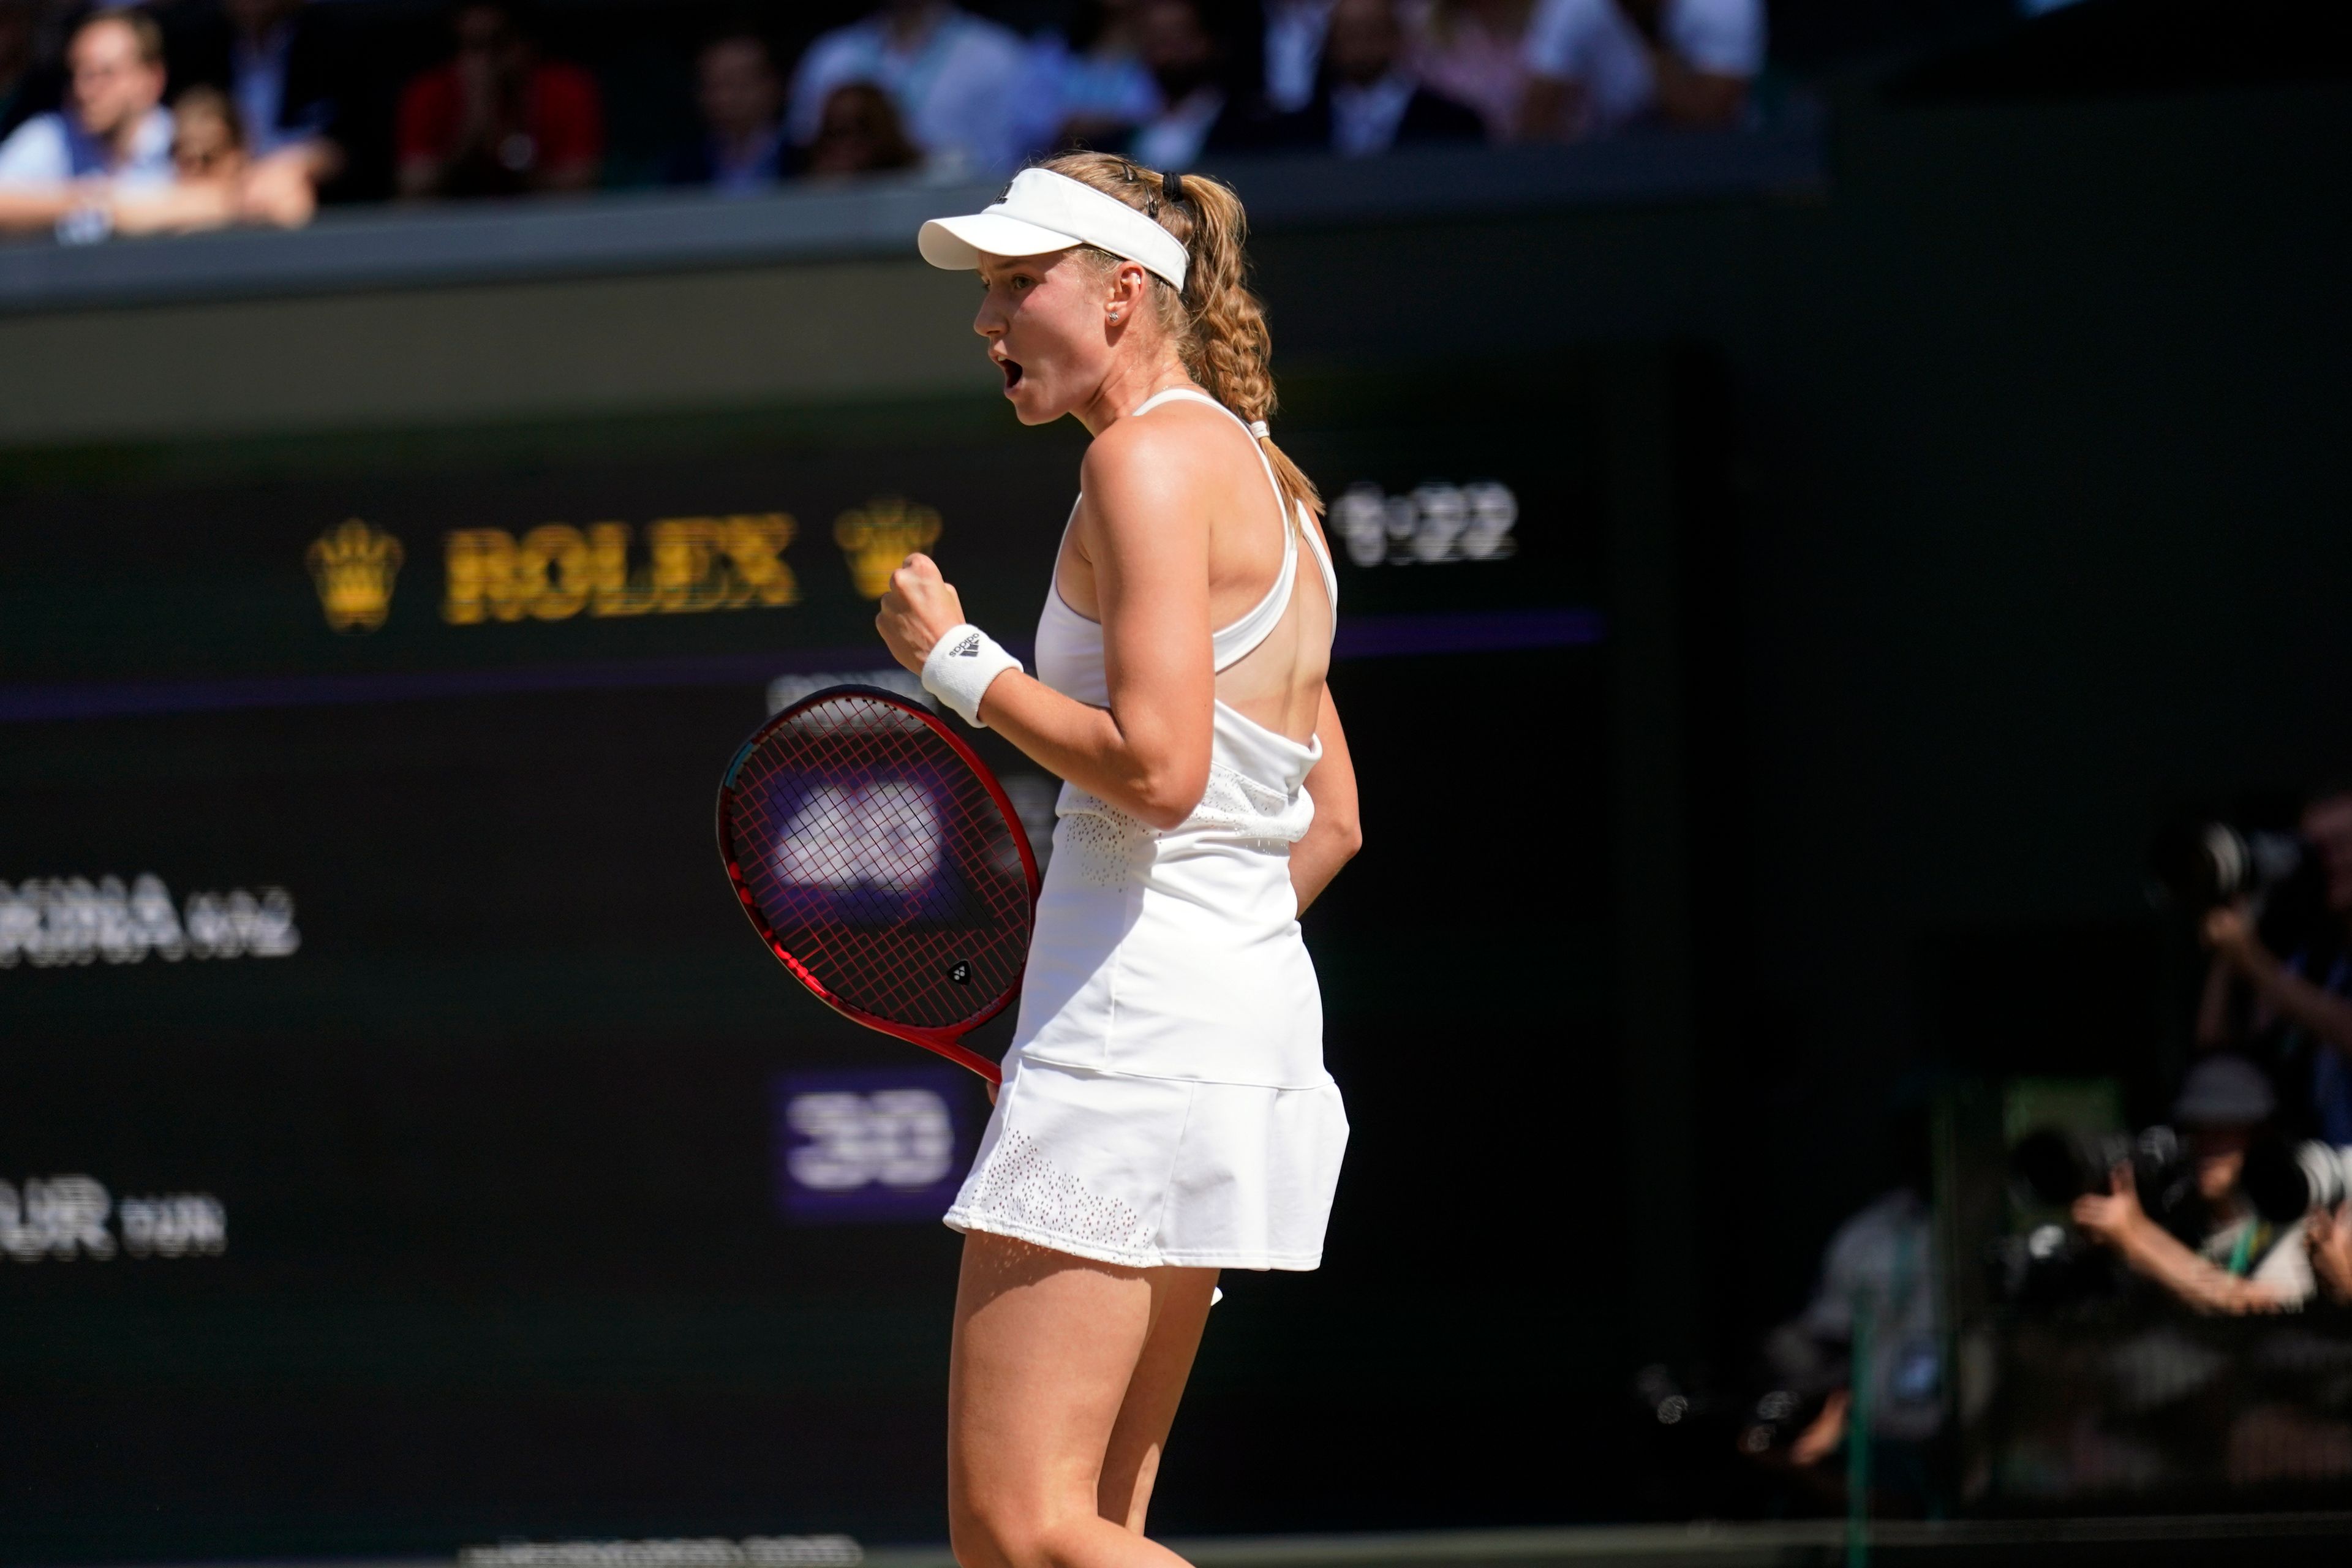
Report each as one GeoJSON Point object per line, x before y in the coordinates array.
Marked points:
{"type": "Point", "coordinates": [1070, 647]}
{"type": "Point", "coordinates": [1175, 952]}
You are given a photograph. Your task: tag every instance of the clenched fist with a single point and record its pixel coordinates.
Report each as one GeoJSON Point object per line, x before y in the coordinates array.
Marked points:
{"type": "Point", "coordinates": [917, 610]}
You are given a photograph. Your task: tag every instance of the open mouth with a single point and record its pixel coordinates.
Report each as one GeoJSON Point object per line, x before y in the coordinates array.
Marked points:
{"type": "Point", "coordinates": [1012, 374]}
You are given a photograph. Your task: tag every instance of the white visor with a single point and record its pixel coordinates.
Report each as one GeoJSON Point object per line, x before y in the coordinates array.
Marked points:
{"type": "Point", "coordinates": [1043, 212]}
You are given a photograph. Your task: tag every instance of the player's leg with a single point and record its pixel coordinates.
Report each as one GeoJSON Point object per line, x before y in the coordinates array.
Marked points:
{"type": "Point", "coordinates": [1180, 1311]}
{"type": "Point", "coordinates": [1046, 1347]}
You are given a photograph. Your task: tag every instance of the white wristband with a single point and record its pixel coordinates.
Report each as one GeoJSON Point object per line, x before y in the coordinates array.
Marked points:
{"type": "Point", "coordinates": [962, 665]}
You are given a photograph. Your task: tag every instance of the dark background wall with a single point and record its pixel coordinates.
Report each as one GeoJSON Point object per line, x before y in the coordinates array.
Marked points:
{"type": "Point", "coordinates": [2040, 504]}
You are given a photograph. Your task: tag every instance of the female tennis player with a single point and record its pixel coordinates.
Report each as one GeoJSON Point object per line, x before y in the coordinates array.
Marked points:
{"type": "Point", "coordinates": [1165, 1111]}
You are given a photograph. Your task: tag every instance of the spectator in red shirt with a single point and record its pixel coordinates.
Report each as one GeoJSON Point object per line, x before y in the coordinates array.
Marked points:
{"type": "Point", "coordinates": [498, 120]}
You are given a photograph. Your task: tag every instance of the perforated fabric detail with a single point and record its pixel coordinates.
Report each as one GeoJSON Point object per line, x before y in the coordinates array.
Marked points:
{"type": "Point", "coordinates": [1102, 849]}
{"type": "Point", "coordinates": [1103, 841]}
{"type": "Point", "coordinates": [1025, 1191]}
{"type": "Point", "coordinates": [1237, 802]}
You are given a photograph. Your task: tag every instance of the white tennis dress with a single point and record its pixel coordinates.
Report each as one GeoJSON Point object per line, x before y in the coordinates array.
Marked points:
{"type": "Point", "coordinates": [1165, 1100]}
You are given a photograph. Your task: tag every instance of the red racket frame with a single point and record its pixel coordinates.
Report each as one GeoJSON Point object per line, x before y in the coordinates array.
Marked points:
{"type": "Point", "coordinates": [945, 1041]}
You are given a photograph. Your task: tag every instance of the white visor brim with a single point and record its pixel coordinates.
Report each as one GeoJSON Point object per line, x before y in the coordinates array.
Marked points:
{"type": "Point", "coordinates": [1043, 212]}
{"type": "Point", "coordinates": [957, 242]}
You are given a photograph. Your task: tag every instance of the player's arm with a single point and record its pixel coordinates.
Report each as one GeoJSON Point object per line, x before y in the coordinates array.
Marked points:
{"type": "Point", "coordinates": [1143, 528]}
{"type": "Point", "coordinates": [1337, 832]}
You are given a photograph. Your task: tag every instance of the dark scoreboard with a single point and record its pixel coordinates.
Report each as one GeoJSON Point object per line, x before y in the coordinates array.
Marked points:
{"type": "Point", "coordinates": [406, 1144]}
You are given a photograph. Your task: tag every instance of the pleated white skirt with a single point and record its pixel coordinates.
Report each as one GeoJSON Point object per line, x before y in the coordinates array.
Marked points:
{"type": "Point", "coordinates": [1147, 1172]}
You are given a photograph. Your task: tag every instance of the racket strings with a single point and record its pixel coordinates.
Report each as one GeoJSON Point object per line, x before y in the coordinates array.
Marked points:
{"type": "Point", "coordinates": [881, 864]}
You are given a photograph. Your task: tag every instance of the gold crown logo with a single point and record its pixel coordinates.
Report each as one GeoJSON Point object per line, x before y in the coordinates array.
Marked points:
{"type": "Point", "coordinates": [880, 534]}
{"type": "Point", "coordinates": [353, 566]}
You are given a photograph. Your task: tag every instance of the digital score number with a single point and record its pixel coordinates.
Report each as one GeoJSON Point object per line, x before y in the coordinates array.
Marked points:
{"type": "Point", "coordinates": [886, 1144]}
{"type": "Point", "coordinates": [1436, 525]}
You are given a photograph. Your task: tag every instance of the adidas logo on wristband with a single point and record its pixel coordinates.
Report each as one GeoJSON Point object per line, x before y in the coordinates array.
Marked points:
{"type": "Point", "coordinates": [962, 665]}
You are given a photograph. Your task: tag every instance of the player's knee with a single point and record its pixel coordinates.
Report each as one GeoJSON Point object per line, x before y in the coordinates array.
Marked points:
{"type": "Point", "coordinates": [986, 1535]}
{"type": "Point", "coordinates": [983, 1534]}
{"type": "Point", "coordinates": [971, 1541]}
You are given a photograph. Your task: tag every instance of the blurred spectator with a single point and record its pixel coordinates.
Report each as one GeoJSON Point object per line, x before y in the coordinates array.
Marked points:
{"type": "Point", "coordinates": [1475, 52]}
{"type": "Point", "coordinates": [61, 170]}
{"type": "Point", "coordinates": [208, 138]}
{"type": "Point", "coordinates": [1294, 51]}
{"type": "Point", "coordinates": [956, 80]}
{"type": "Point", "coordinates": [860, 134]}
{"type": "Point", "coordinates": [742, 149]}
{"type": "Point", "coordinates": [1091, 87]}
{"type": "Point", "coordinates": [216, 181]}
{"type": "Point", "coordinates": [1882, 1260]}
{"type": "Point", "coordinates": [2231, 1259]}
{"type": "Point", "coordinates": [1367, 100]}
{"type": "Point", "coordinates": [1596, 66]}
{"type": "Point", "coordinates": [2303, 1014]}
{"type": "Point", "coordinates": [498, 120]}
{"type": "Point", "coordinates": [1200, 111]}
{"type": "Point", "coordinates": [280, 64]}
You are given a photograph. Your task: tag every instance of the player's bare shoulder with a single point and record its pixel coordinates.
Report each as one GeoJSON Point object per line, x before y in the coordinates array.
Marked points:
{"type": "Point", "coordinates": [1149, 473]}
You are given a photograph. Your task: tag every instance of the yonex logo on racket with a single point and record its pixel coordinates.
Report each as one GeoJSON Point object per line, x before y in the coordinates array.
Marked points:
{"type": "Point", "coordinates": [961, 973]}
{"type": "Point", "coordinates": [885, 836]}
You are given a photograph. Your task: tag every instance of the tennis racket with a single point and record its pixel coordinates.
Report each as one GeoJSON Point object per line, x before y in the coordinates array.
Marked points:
{"type": "Point", "coordinates": [879, 859]}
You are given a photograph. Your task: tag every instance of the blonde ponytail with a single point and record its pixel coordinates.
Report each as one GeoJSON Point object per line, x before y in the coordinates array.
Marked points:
{"type": "Point", "coordinates": [1217, 324]}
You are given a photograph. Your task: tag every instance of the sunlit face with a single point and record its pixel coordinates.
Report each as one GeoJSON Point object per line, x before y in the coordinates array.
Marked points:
{"type": "Point", "coordinates": [2327, 824]}
{"type": "Point", "coordinates": [112, 86]}
{"type": "Point", "coordinates": [1047, 320]}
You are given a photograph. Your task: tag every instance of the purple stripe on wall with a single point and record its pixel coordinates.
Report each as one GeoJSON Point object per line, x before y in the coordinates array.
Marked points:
{"type": "Point", "coordinates": [1359, 636]}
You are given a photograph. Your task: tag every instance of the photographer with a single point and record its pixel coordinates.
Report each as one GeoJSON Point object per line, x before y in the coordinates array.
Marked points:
{"type": "Point", "coordinates": [2223, 1257]}
{"type": "Point", "coordinates": [2301, 1018]}
{"type": "Point", "coordinates": [1881, 1263]}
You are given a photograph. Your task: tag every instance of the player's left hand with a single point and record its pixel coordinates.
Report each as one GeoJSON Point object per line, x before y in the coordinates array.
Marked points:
{"type": "Point", "coordinates": [917, 611]}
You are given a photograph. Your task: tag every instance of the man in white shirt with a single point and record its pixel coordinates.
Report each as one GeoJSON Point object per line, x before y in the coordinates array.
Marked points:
{"type": "Point", "coordinates": [261, 43]}
{"type": "Point", "coordinates": [57, 170]}
{"type": "Point", "coordinates": [1177, 47]}
{"type": "Point", "coordinates": [1595, 66]}
{"type": "Point", "coordinates": [1375, 102]}
{"type": "Point", "coordinates": [1295, 31]}
{"type": "Point", "coordinates": [954, 77]}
